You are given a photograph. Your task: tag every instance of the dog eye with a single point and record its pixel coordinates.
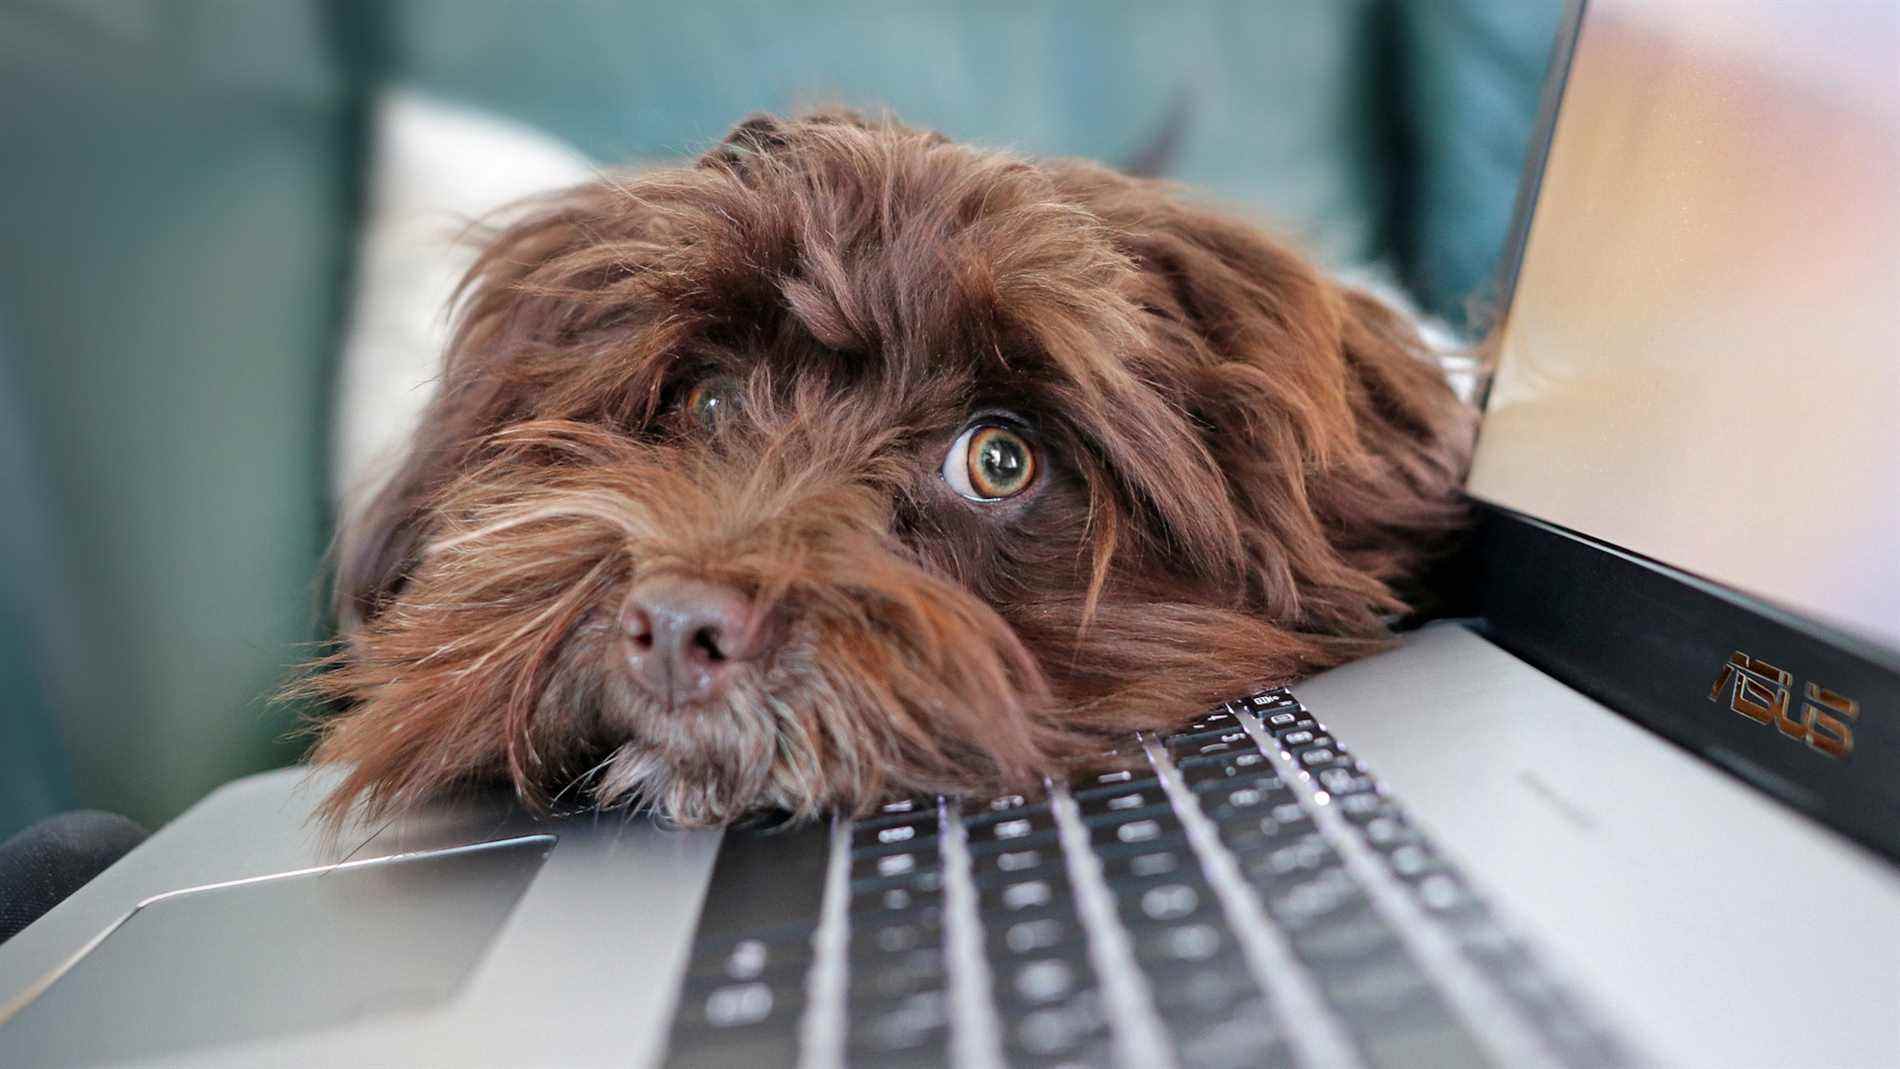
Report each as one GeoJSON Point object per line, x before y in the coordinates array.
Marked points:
{"type": "Point", "coordinates": [713, 401]}
{"type": "Point", "coordinates": [989, 463]}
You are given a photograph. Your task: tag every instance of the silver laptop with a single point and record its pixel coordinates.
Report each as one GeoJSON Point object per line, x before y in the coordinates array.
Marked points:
{"type": "Point", "coordinates": [1641, 807]}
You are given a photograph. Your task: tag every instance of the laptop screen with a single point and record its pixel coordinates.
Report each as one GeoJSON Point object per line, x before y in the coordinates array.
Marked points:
{"type": "Point", "coordinates": [1701, 358]}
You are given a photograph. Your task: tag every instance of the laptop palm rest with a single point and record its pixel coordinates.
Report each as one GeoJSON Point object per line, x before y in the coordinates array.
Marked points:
{"type": "Point", "coordinates": [243, 961]}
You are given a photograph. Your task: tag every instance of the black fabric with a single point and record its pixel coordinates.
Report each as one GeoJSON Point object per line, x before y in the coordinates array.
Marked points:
{"type": "Point", "coordinates": [40, 866]}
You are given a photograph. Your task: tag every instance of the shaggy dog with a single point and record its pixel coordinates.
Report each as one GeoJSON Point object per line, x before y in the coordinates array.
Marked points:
{"type": "Point", "coordinates": [851, 461]}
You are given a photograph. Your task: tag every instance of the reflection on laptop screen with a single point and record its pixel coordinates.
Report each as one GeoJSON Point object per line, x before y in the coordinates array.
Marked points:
{"type": "Point", "coordinates": [1701, 361]}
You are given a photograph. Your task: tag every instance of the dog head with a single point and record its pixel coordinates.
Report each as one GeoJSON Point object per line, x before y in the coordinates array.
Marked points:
{"type": "Point", "coordinates": [852, 460]}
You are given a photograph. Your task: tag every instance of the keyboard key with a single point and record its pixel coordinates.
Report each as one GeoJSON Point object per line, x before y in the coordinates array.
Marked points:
{"type": "Point", "coordinates": [1264, 831]}
{"type": "Point", "coordinates": [1290, 861]}
{"type": "Point", "coordinates": [1411, 862]}
{"type": "Point", "coordinates": [1040, 839]}
{"type": "Point", "coordinates": [869, 860]}
{"type": "Point", "coordinates": [1232, 763]}
{"type": "Point", "coordinates": [880, 819]}
{"type": "Point", "coordinates": [1139, 834]}
{"type": "Point", "coordinates": [1443, 893]}
{"type": "Point", "coordinates": [899, 904]}
{"type": "Point", "coordinates": [753, 1009]}
{"type": "Point", "coordinates": [1207, 776]}
{"type": "Point", "coordinates": [1195, 941]}
{"type": "Point", "coordinates": [1316, 899]}
{"type": "Point", "coordinates": [1074, 1031]}
{"type": "Point", "coordinates": [764, 1044]}
{"type": "Point", "coordinates": [928, 880]}
{"type": "Point", "coordinates": [893, 833]}
{"type": "Point", "coordinates": [1243, 1035]}
{"type": "Point", "coordinates": [1280, 730]}
{"type": "Point", "coordinates": [1219, 720]}
{"type": "Point", "coordinates": [885, 976]}
{"type": "Point", "coordinates": [919, 1021]}
{"type": "Point", "coordinates": [1051, 977]}
{"type": "Point", "coordinates": [897, 864]}
{"type": "Point", "coordinates": [1316, 756]}
{"type": "Point", "coordinates": [1210, 985]}
{"type": "Point", "coordinates": [1345, 780]}
{"type": "Point", "coordinates": [914, 811]}
{"type": "Point", "coordinates": [988, 817]}
{"type": "Point", "coordinates": [1378, 985]}
{"type": "Point", "coordinates": [1161, 810]}
{"type": "Point", "coordinates": [897, 936]}
{"type": "Point", "coordinates": [1011, 897]}
{"type": "Point", "coordinates": [762, 955]}
{"type": "Point", "coordinates": [1188, 741]}
{"type": "Point", "coordinates": [1117, 782]}
{"type": "Point", "coordinates": [736, 1005]}
{"type": "Point", "coordinates": [1352, 934]}
{"type": "Point", "coordinates": [1128, 749]}
{"type": "Point", "coordinates": [978, 808]}
{"type": "Point", "coordinates": [1119, 774]}
{"type": "Point", "coordinates": [1239, 799]}
{"type": "Point", "coordinates": [1439, 1040]}
{"type": "Point", "coordinates": [1034, 935]}
{"type": "Point", "coordinates": [1391, 1008]}
{"type": "Point", "coordinates": [1163, 857]}
{"type": "Point", "coordinates": [1359, 808]}
{"type": "Point", "coordinates": [1010, 824]}
{"type": "Point", "coordinates": [1122, 799]}
{"type": "Point", "coordinates": [1386, 831]}
{"type": "Point", "coordinates": [933, 1057]}
{"type": "Point", "coordinates": [1004, 865]}
{"type": "Point", "coordinates": [1164, 901]}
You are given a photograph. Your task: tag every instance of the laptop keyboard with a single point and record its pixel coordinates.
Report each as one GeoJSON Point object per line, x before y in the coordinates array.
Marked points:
{"type": "Point", "coordinates": [1241, 892]}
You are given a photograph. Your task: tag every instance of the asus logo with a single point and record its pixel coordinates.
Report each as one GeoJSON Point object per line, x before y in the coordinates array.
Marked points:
{"type": "Point", "coordinates": [1760, 691]}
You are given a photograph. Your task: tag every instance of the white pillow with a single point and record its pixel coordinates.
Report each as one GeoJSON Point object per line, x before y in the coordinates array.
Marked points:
{"type": "Point", "coordinates": [436, 168]}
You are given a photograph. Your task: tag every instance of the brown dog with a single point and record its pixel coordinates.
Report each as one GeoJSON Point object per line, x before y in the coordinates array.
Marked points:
{"type": "Point", "coordinates": [852, 461]}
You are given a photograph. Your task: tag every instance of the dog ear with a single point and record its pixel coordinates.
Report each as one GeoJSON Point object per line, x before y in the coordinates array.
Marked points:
{"type": "Point", "coordinates": [1342, 443]}
{"type": "Point", "coordinates": [380, 542]}
{"type": "Point", "coordinates": [763, 134]}
{"type": "Point", "coordinates": [538, 307]}
{"type": "Point", "coordinates": [756, 134]}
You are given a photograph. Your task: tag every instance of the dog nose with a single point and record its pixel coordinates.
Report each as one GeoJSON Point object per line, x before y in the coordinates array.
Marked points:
{"type": "Point", "coordinates": [688, 634]}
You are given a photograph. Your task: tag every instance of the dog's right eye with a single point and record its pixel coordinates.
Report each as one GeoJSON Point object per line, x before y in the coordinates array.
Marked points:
{"type": "Point", "coordinates": [713, 401]}
{"type": "Point", "coordinates": [988, 462]}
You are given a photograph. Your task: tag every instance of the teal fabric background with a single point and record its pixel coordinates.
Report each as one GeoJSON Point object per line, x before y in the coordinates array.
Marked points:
{"type": "Point", "coordinates": [173, 229]}
{"type": "Point", "coordinates": [1278, 98]}
{"type": "Point", "coordinates": [35, 775]}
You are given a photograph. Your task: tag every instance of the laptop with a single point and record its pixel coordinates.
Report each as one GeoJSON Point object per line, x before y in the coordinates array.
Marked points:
{"type": "Point", "coordinates": [1642, 806]}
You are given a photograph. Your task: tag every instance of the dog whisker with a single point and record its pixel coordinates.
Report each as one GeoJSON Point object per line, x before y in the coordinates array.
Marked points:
{"type": "Point", "coordinates": [587, 775]}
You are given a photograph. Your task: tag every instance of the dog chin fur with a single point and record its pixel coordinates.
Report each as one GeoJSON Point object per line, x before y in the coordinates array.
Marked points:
{"type": "Point", "coordinates": [1241, 467]}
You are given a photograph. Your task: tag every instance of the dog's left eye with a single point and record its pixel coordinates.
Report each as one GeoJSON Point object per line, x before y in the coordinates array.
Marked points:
{"type": "Point", "coordinates": [988, 462]}
{"type": "Point", "coordinates": [713, 401]}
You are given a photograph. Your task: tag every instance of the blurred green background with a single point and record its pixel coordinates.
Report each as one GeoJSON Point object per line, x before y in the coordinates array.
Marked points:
{"type": "Point", "coordinates": [179, 203]}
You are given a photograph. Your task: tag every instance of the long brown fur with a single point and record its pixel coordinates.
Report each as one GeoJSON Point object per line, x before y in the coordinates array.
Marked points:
{"type": "Point", "coordinates": [1242, 465]}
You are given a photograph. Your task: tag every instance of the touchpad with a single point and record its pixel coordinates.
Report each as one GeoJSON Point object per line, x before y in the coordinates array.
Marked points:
{"type": "Point", "coordinates": [281, 954]}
